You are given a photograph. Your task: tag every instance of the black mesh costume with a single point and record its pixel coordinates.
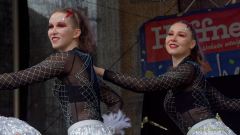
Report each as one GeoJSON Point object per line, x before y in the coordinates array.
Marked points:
{"type": "Point", "coordinates": [189, 99]}
{"type": "Point", "coordinates": [76, 86]}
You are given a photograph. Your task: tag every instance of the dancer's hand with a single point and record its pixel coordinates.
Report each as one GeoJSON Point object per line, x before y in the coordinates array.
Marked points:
{"type": "Point", "coordinates": [99, 71]}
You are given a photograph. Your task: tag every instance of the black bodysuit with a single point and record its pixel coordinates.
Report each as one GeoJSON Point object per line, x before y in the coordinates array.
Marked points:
{"type": "Point", "coordinates": [76, 87]}
{"type": "Point", "coordinates": [189, 99]}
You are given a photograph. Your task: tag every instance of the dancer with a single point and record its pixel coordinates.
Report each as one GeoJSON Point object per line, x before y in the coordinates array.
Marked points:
{"type": "Point", "coordinates": [190, 101]}
{"type": "Point", "coordinates": [76, 86]}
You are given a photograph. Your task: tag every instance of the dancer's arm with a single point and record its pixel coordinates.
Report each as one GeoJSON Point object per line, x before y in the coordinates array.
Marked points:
{"type": "Point", "coordinates": [52, 66]}
{"type": "Point", "coordinates": [108, 96]}
{"type": "Point", "coordinates": [181, 75]}
{"type": "Point", "coordinates": [220, 102]}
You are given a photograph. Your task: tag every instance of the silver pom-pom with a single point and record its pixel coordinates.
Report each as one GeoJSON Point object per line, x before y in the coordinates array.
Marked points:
{"type": "Point", "coordinates": [14, 126]}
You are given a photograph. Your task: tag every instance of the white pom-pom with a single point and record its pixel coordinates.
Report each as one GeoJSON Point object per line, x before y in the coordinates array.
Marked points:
{"type": "Point", "coordinates": [117, 122]}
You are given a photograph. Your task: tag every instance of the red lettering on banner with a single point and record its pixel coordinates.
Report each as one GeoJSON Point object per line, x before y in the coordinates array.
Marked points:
{"type": "Point", "coordinates": [217, 31]}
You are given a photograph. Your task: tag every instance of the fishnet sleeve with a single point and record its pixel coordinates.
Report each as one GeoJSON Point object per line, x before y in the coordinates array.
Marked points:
{"type": "Point", "coordinates": [220, 102]}
{"type": "Point", "coordinates": [112, 100]}
{"type": "Point", "coordinates": [51, 67]}
{"type": "Point", "coordinates": [181, 75]}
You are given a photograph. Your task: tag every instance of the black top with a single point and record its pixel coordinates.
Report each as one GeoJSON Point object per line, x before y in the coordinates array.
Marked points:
{"type": "Point", "coordinates": [189, 99]}
{"type": "Point", "coordinates": [76, 87]}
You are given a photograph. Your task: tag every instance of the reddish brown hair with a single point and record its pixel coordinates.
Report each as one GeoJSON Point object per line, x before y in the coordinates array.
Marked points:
{"type": "Point", "coordinates": [196, 53]}
{"type": "Point", "coordinates": [87, 42]}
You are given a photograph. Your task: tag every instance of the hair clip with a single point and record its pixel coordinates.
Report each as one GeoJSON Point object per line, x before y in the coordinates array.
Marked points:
{"type": "Point", "coordinates": [69, 13]}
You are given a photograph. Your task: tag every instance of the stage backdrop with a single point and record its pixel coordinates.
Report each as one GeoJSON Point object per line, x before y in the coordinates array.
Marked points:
{"type": "Point", "coordinates": [218, 31]}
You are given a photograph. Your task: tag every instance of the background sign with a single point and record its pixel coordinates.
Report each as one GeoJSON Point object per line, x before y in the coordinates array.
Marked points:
{"type": "Point", "coordinates": [218, 32]}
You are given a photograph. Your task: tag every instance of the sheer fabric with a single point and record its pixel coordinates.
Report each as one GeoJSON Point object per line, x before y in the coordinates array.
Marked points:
{"type": "Point", "coordinates": [189, 99]}
{"type": "Point", "coordinates": [76, 86]}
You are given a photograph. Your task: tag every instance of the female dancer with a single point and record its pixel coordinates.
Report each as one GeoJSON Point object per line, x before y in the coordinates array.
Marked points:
{"type": "Point", "coordinates": [76, 87]}
{"type": "Point", "coordinates": [190, 100]}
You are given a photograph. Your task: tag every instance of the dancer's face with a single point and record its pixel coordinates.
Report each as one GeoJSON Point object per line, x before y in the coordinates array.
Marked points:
{"type": "Point", "coordinates": [179, 41]}
{"type": "Point", "coordinates": [61, 32]}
